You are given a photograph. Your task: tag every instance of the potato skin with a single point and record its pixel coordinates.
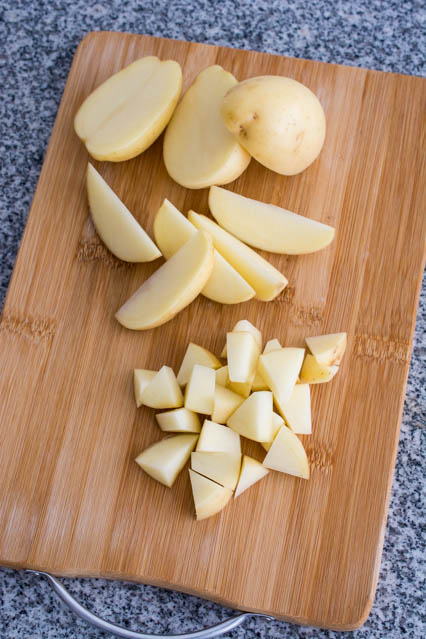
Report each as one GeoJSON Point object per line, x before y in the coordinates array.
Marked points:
{"type": "Point", "coordinates": [278, 120]}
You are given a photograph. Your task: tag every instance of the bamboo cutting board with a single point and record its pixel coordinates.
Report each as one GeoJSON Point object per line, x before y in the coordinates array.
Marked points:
{"type": "Point", "coordinates": [72, 501]}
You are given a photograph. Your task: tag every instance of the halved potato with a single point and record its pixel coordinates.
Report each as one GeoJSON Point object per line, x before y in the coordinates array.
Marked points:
{"type": "Point", "coordinates": [267, 226]}
{"type": "Point", "coordinates": [180, 420]}
{"type": "Point", "coordinates": [165, 459]}
{"type": "Point", "coordinates": [251, 472]}
{"type": "Point", "coordinates": [209, 497]}
{"type": "Point", "coordinates": [287, 455]}
{"type": "Point", "coordinates": [223, 468]}
{"type": "Point", "coordinates": [195, 355]}
{"type": "Point", "coordinates": [127, 112]}
{"type": "Point", "coordinates": [278, 120]}
{"type": "Point", "coordinates": [116, 226]}
{"type": "Point", "coordinates": [198, 149]}
{"type": "Point", "coordinates": [266, 280]}
{"type": "Point", "coordinates": [172, 287]}
{"type": "Point", "coordinates": [225, 285]}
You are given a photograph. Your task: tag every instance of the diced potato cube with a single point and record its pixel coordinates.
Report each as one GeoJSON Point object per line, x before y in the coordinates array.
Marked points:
{"type": "Point", "coordinates": [199, 393]}
{"type": "Point", "coordinates": [180, 420]}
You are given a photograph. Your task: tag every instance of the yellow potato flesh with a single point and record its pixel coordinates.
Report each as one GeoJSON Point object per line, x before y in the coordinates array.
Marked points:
{"type": "Point", "coordinates": [126, 113]}
{"type": "Point", "coordinates": [243, 354]}
{"type": "Point", "coordinates": [163, 391]}
{"type": "Point", "coordinates": [141, 378]}
{"type": "Point", "coordinates": [266, 226]}
{"type": "Point", "coordinates": [328, 350]}
{"type": "Point", "coordinates": [216, 438]}
{"type": "Point", "coordinates": [244, 326]}
{"type": "Point", "coordinates": [116, 226]}
{"type": "Point", "coordinates": [209, 497]}
{"type": "Point", "coordinates": [258, 382]}
{"type": "Point", "coordinates": [251, 472]}
{"type": "Point", "coordinates": [223, 468]}
{"type": "Point", "coordinates": [225, 284]}
{"type": "Point", "coordinates": [280, 370]}
{"type": "Point", "coordinates": [195, 355]}
{"type": "Point", "coordinates": [172, 287]}
{"type": "Point", "coordinates": [266, 280]}
{"type": "Point", "coordinates": [164, 460]}
{"type": "Point", "coordinates": [297, 410]}
{"type": "Point", "coordinates": [253, 419]}
{"type": "Point", "coordinates": [314, 373]}
{"type": "Point", "coordinates": [198, 149]}
{"type": "Point", "coordinates": [199, 392]}
{"type": "Point", "coordinates": [226, 402]}
{"type": "Point", "coordinates": [287, 455]}
{"type": "Point", "coordinates": [277, 422]}
{"type": "Point", "coordinates": [179, 420]}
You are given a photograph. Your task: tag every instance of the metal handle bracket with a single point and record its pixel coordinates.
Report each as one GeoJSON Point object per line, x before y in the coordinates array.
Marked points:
{"type": "Point", "coordinates": [106, 626]}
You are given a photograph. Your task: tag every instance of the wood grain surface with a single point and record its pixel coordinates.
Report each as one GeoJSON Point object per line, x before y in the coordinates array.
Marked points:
{"type": "Point", "coordinates": [72, 500]}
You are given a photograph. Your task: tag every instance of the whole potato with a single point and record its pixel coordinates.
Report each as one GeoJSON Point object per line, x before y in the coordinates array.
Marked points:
{"type": "Point", "coordinates": [279, 121]}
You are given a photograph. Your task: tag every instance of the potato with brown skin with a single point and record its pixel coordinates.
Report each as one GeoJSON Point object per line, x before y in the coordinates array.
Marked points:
{"type": "Point", "coordinates": [279, 121]}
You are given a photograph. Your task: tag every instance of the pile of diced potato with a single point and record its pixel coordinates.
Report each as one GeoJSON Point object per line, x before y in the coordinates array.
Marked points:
{"type": "Point", "coordinates": [236, 399]}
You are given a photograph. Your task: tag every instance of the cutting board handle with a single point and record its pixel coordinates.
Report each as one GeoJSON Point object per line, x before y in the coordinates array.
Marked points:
{"type": "Point", "coordinates": [107, 626]}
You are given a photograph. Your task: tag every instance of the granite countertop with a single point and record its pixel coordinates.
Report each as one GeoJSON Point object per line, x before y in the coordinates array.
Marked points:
{"type": "Point", "coordinates": [40, 38]}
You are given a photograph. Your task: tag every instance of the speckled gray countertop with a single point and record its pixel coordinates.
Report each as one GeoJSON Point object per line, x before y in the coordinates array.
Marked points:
{"type": "Point", "coordinates": [38, 39]}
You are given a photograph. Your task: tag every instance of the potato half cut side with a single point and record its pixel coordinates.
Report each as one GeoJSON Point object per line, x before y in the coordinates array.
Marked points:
{"type": "Point", "coordinates": [127, 112]}
{"type": "Point", "coordinates": [198, 148]}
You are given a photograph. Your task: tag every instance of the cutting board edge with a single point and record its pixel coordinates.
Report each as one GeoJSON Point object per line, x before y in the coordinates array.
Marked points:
{"type": "Point", "coordinates": [207, 595]}
{"type": "Point", "coordinates": [93, 34]}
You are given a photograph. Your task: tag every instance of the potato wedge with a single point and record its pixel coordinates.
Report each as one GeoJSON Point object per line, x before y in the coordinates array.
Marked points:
{"type": "Point", "coordinates": [225, 285]}
{"type": "Point", "coordinates": [266, 280]}
{"type": "Point", "coordinates": [172, 287]}
{"type": "Point", "coordinates": [116, 226]}
{"type": "Point", "coordinates": [266, 226]}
